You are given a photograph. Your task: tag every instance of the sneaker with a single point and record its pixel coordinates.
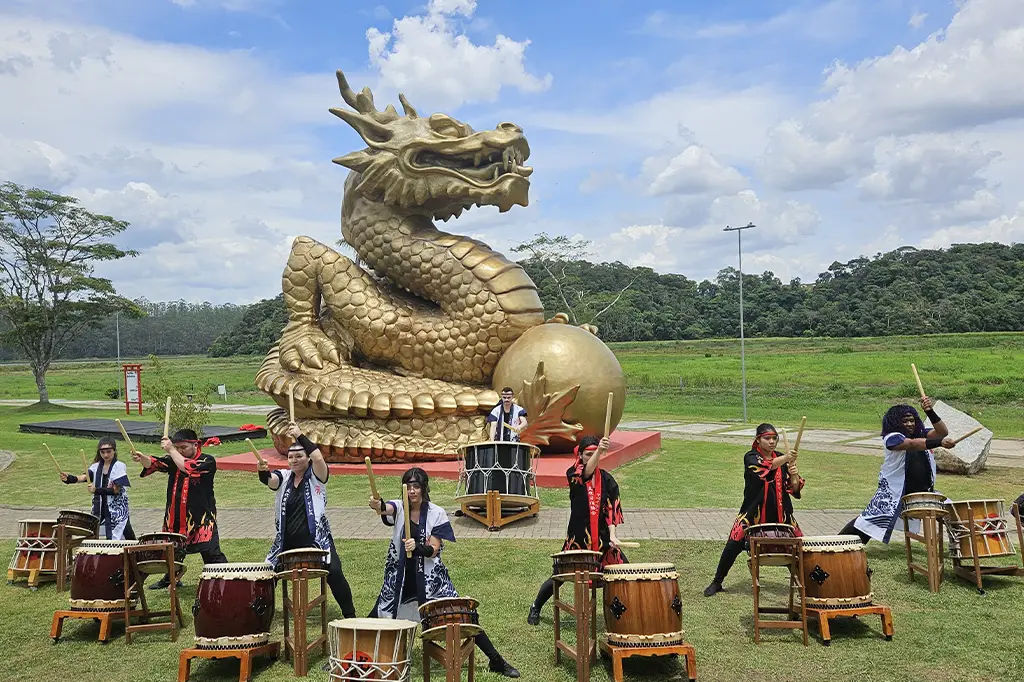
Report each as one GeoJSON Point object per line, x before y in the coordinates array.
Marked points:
{"type": "Point", "coordinates": [161, 584]}
{"type": "Point", "coordinates": [714, 588]}
{"type": "Point", "coordinates": [500, 665]}
{"type": "Point", "coordinates": [534, 617]}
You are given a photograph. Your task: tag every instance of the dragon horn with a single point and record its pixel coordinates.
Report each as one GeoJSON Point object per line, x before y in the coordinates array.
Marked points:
{"type": "Point", "coordinates": [363, 102]}
{"type": "Point", "coordinates": [409, 110]}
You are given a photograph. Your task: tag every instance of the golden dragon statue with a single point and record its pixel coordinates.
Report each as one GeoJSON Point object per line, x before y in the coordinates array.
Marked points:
{"type": "Point", "coordinates": [400, 361]}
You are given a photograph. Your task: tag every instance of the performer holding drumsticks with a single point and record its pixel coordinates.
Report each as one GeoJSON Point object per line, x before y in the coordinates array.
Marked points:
{"type": "Point", "coordinates": [771, 480]}
{"type": "Point", "coordinates": [410, 583]}
{"type": "Point", "coordinates": [594, 512]}
{"type": "Point", "coordinates": [300, 507]}
{"type": "Point", "coordinates": [507, 419]}
{"type": "Point", "coordinates": [108, 482]}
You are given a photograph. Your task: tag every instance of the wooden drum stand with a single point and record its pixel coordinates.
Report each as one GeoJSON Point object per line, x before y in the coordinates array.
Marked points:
{"type": "Point", "coordinates": [584, 608]}
{"type": "Point", "coordinates": [458, 648]}
{"type": "Point", "coordinates": [296, 644]}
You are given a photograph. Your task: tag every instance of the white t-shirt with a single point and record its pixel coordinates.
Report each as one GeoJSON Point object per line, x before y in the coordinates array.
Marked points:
{"type": "Point", "coordinates": [498, 415]}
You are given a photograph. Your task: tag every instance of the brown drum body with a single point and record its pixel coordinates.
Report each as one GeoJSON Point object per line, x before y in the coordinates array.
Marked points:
{"type": "Point", "coordinates": [836, 573]}
{"type": "Point", "coordinates": [153, 560]}
{"type": "Point", "coordinates": [97, 578]}
{"type": "Point", "coordinates": [234, 606]}
{"type": "Point", "coordinates": [86, 524]}
{"type": "Point", "coordinates": [772, 530]}
{"type": "Point", "coordinates": [642, 605]}
{"type": "Point", "coordinates": [924, 505]}
{"type": "Point", "coordinates": [311, 558]}
{"type": "Point", "coordinates": [567, 563]}
{"type": "Point", "coordinates": [991, 536]}
{"type": "Point", "coordinates": [438, 613]}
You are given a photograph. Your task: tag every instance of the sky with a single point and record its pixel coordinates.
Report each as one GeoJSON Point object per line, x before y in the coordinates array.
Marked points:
{"type": "Point", "coordinates": [840, 128]}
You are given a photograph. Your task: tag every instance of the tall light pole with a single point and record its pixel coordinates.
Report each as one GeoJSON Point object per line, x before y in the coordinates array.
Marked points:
{"type": "Point", "coordinates": [117, 334]}
{"type": "Point", "coordinates": [743, 354]}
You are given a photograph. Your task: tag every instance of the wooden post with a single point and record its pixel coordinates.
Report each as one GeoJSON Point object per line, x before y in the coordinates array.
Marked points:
{"type": "Point", "coordinates": [405, 509]}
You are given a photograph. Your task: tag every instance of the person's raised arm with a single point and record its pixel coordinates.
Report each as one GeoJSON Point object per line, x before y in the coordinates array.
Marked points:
{"type": "Point", "coordinates": [592, 463]}
{"type": "Point", "coordinates": [939, 428]}
{"type": "Point", "coordinates": [316, 458]}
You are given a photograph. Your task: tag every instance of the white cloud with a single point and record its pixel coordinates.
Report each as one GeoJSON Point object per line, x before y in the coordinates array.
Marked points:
{"type": "Point", "coordinates": [917, 20]}
{"type": "Point", "coordinates": [820, 22]}
{"type": "Point", "coordinates": [983, 205]}
{"type": "Point", "coordinates": [1006, 229]}
{"type": "Point", "coordinates": [694, 170]}
{"type": "Point", "coordinates": [429, 59]}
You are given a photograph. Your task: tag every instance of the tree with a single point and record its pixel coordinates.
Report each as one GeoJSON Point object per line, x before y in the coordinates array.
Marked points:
{"type": "Point", "coordinates": [562, 260]}
{"type": "Point", "coordinates": [190, 409]}
{"type": "Point", "coordinates": [48, 292]}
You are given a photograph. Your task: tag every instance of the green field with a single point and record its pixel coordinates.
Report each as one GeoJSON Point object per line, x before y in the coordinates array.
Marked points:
{"type": "Point", "coordinates": [953, 635]}
{"type": "Point", "coordinates": [838, 383]}
{"type": "Point", "coordinates": [682, 474]}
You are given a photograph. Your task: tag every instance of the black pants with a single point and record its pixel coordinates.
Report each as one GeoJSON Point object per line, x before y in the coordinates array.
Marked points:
{"type": "Point", "coordinates": [850, 529]}
{"type": "Point", "coordinates": [210, 555]}
{"type": "Point", "coordinates": [733, 548]}
{"type": "Point", "coordinates": [129, 534]}
{"type": "Point", "coordinates": [546, 590]}
{"type": "Point", "coordinates": [339, 585]}
{"type": "Point", "coordinates": [483, 642]}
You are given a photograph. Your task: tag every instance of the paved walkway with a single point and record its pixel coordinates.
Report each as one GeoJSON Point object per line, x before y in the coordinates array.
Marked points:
{"type": "Point", "coordinates": [1003, 452]}
{"type": "Point", "coordinates": [360, 523]}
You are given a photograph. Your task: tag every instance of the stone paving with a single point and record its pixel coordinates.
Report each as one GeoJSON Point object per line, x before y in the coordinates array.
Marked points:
{"type": "Point", "coordinates": [361, 523]}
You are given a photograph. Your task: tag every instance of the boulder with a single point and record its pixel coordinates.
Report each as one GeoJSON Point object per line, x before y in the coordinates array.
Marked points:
{"type": "Point", "coordinates": [969, 455]}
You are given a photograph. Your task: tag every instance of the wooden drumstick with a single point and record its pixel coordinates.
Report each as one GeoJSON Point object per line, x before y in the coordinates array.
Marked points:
{"type": "Point", "coordinates": [259, 457]}
{"type": "Point", "coordinates": [291, 403]}
{"type": "Point", "coordinates": [785, 441]}
{"type": "Point", "coordinates": [968, 434]}
{"type": "Point", "coordinates": [373, 482]}
{"type": "Point", "coordinates": [511, 428]}
{"type": "Point", "coordinates": [53, 458]}
{"type": "Point", "coordinates": [626, 543]}
{"type": "Point", "coordinates": [85, 462]}
{"type": "Point", "coordinates": [167, 417]}
{"type": "Point", "coordinates": [800, 434]}
{"type": "Point", "coordinates": [405, 510]}
{"type": "Point", "coordinates": [917, 378]}
{"type": "Point", "coordinates": [608, 414]}
{"type": "Point", "coordinates": [124, 434]}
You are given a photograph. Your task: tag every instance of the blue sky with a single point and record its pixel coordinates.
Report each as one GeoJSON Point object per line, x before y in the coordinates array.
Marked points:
{"type": "Point", "coordinates": [839, 128]}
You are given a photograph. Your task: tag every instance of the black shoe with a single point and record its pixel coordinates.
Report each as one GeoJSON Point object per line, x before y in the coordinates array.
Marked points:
{"type": "Point", "coordinates": [534, 617]}
{"type": "Point", "coordinates": [500, 665]}
{"type": "Point", "coordinates": [161, 584]}
{"type": "Point", "coordinates": [714, 588]}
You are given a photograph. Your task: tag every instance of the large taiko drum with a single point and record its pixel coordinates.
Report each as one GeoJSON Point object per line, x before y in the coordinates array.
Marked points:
{"type": "Point", "coordinates": [36, 549]}
{"type": "Point", "coordinates": [79, 522]}
{"type": "Point", "coordinates": [313, 559]}
{"type": "Point", "coordinates": [97, 577]}
{"type": "Point", "coordinates": [991, 534]}
{"type": "Point", "coordinates": [642, 607]}
{"type": "Point", "coordinates": [370, 649]}
{"type": "Point", "coordinates": [234, 606]}
{"type": "Point", "coordinates": [836, 573]}
{"type": "Point", "coordinates": [504, 466]}
{"type": "Point", "coordinates": [436, 614]}
{"type": "Point", "coordinates": [153, 561]}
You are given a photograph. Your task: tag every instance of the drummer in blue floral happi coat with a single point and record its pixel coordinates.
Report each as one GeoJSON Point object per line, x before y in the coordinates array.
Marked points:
{"type": "Point", "coordinates": [108, 482]}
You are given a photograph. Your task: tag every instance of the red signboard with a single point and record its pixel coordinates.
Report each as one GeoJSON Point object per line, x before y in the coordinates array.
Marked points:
{"type": "Point", "coordinates": [132, 387]}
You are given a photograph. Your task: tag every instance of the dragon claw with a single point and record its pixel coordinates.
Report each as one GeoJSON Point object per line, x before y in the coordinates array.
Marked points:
{"type": "Point", "coordinates": [305, 345]}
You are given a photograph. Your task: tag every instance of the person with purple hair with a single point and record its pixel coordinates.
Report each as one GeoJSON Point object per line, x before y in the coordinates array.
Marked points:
{"type": "Point", "coordinates": [908, 467]}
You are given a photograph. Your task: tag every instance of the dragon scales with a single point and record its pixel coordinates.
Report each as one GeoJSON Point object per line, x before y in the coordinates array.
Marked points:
{"type": "Point", "coordinates": [396, 362]}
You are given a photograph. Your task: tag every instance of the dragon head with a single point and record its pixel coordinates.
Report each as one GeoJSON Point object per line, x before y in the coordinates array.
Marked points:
{"type": "Point", "coordinates": [436, 166]}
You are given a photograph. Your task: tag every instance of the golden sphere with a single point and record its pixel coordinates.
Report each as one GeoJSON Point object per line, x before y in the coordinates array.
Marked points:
{"type": "Point", "coordinates": [571, 356]}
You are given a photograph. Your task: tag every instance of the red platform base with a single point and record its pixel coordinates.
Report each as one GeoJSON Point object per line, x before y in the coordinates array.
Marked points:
{"type": "Point", "coordinates": [626, 446]}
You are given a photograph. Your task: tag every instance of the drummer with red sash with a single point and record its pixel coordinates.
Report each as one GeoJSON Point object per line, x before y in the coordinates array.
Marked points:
{"type": "Point", "coordinates": [594, 512]}
{"type": "Point", "coordinates": [771, 480]}
{"type": "Point", "coordinates": [191, 508]}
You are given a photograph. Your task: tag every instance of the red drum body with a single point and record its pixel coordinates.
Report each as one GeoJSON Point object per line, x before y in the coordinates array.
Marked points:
{"type": "Point", "coordinates": [80, 522]}
{"type": "Point", "coordinates": [772, 530]}
{"type": "Point", "coordinates": [153, 561]}
{"type": "Point", "coordinates": [436, 614]}
{"type": "Point", "coordinates": [566, 564]}
{"type": "Point", "coordinates": [234, 606]}
{"type": "Point", "coordinates": [97, 578]}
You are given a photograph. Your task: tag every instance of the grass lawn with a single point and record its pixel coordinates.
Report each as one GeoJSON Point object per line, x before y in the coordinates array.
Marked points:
{"type": "Point", "coordinates": [682, 474]}
{"type": "Point", "coordinates": [954, 635]}
{"type": "Point", "coordinates": [836, 383]}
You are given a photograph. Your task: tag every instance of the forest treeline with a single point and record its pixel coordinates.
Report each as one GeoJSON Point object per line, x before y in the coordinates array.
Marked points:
{"type": "Point", "coordinates": [965, 288]}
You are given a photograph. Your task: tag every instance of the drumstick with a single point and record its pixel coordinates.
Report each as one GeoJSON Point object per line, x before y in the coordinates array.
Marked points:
{"type": "Point", "coordinates": [608, 414]}
{"type": "Point", "coordinates": [785, 441]}
{"type": "Point", "coordinates": [53, 458]}
{"type": "Point", "coordinates": [510, 427]}
{"type": "Point", "coordinates": [291, 403]}
{"type": "Point", "coordinates": [85, 462]}
{"type": "Point", "coordinates": [259, 458]}
{"type": "Point", "coordinates": [800, 434]}
{"type": "Point", "coordinates": [405, 510]}
{"type": "Point", "coordinates": [917, 378]}
{"type": "Point", "coordinates": [373, 482]}
{"type": "Point", "coordinates": [124, 434]}
{"type": "Point", "coordinates": [167, 417]}
{"type": "Point", "coordinates": [626, 543]}
{"type": "Point", "coordinates": [968, 434]}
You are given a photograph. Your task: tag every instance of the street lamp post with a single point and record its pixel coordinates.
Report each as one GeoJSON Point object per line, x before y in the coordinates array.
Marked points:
{"type": "Point", "coordinates": [743, 354]}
